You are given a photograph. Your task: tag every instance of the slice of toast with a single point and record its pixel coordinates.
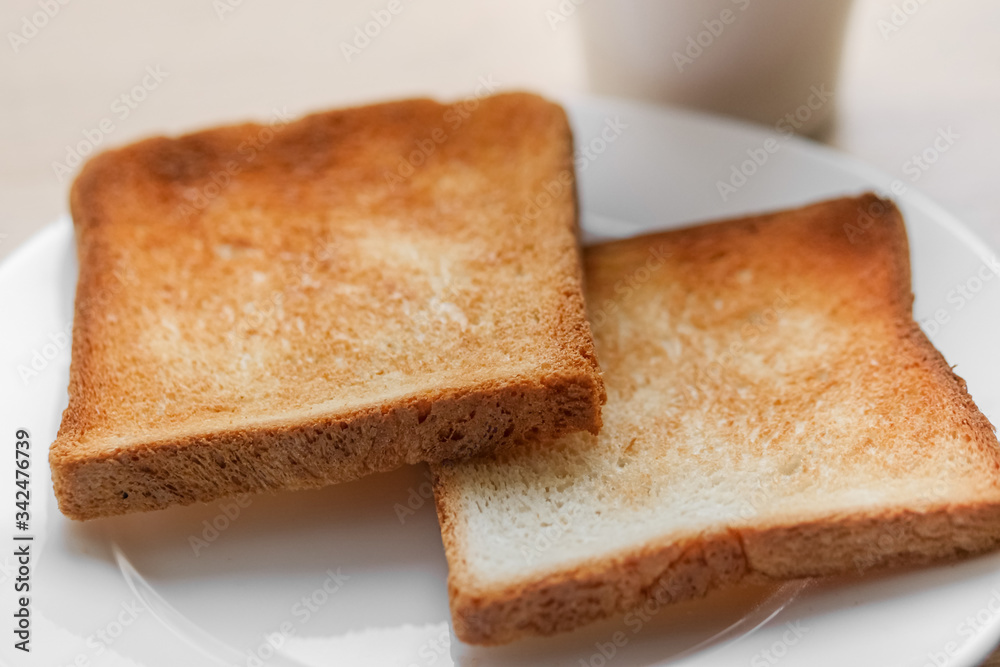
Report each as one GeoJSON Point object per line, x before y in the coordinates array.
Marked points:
{"type": "Point", "coordinates": [773, 412]}
{"type": "Point", "coordinates": [290, 305]}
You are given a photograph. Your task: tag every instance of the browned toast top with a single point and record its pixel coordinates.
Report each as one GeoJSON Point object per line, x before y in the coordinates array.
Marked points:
{"type": "Point", "coordinates": [770, 398]}
{"type": "Point", "coordinates": [264, 275]}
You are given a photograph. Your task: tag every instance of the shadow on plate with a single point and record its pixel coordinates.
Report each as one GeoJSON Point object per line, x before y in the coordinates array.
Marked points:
{"type": "Point", "coordinates": [263, 553]}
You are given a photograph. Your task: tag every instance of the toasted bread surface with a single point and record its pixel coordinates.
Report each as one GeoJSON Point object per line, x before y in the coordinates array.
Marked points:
{"type": "Point", "coordinates": [773, 412]}
{"type": "Point", "coordinates": [282, 306]}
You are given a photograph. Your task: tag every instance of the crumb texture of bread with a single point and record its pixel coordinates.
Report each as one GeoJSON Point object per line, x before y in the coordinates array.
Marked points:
{"type": "Point", "coordinates": [773, 412]}
{"type": "Point", "coordinates": [265, 307]}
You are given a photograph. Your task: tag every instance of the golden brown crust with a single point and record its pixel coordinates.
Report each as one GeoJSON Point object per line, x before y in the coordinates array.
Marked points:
{"type": "Point", "coordinates": [845, 261]}
{"type": "Point", "coordinates": [284, 294]}
{"type": "Point", "coordinates": [678, 569]}
{"type": "Point", "coordinates": [308, 453]}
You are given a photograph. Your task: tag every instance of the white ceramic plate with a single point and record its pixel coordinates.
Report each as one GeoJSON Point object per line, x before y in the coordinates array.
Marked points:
{"type": "Point", "coordinates": [355, 574]}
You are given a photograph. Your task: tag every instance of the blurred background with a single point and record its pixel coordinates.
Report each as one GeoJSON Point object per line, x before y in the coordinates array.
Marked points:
{"type": "Point", "coordinates": [107, 72]}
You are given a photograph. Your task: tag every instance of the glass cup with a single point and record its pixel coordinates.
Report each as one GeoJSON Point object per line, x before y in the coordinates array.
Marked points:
{"type": "Point", "coordinates": [769, 61]}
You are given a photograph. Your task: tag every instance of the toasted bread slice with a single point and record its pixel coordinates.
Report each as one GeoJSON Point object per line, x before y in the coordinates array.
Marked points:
{"type": "Point", "coordinates": [285, 306]}
{"type": "Point", "coordinates": [773, 412]}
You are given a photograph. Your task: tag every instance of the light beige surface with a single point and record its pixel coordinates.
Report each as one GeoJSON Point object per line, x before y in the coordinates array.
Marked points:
{"type": "Point", "coordinates": [940, 70]}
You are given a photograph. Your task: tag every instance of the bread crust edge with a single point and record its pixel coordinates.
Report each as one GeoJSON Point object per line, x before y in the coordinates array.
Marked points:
{"type": "Point", "coordinates": [328, 449]}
